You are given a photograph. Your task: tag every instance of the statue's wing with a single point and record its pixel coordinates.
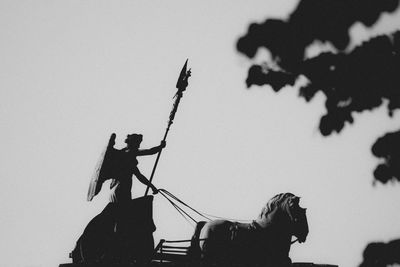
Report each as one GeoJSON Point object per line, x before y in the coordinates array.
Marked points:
{"type": "Point", "coordinates": [103, 170]}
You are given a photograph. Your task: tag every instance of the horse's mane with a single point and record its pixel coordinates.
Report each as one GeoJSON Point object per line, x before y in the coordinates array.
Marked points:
{"type": "Point", "coordinates": [278, 201]}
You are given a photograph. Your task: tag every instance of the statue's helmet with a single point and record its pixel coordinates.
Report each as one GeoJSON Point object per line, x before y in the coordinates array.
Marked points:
{"type": "Point", "coordinates": [132, 139]}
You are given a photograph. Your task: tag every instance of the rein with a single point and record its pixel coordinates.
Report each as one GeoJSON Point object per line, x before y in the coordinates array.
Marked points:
{"type": "Point", "coordinates": [173, 200]}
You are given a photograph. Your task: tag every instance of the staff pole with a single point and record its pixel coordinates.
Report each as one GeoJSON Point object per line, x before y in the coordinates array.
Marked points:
{"type": "Point", "coordinates": [181, 85]}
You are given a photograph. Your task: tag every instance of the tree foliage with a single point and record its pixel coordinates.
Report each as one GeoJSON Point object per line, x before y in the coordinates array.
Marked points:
{"type": "Point", "coordinates": [356, 80]}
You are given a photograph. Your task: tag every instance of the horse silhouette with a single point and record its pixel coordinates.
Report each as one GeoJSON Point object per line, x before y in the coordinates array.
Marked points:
{"type": "Point", "coordinates": [264, 242]}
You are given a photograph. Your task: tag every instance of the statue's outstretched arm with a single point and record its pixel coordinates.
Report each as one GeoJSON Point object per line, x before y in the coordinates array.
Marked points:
{"type": "Point", "coordinates": [151, 151]}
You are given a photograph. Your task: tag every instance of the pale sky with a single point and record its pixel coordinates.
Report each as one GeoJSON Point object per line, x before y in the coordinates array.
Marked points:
{"type": "Point", "coordinates": [73, 72]}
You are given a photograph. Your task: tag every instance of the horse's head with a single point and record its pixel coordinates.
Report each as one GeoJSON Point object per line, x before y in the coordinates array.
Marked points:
{"type": "Point", "coordinates": [298, 218]}
{"type": "Point", "coordinates": [294, 217]}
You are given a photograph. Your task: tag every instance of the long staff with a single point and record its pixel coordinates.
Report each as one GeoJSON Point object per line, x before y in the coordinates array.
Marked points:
{"type": "Point", "coordinates": [181, 85]}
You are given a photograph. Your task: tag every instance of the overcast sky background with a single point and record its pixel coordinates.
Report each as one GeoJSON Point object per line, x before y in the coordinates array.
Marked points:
{"type": "Point", "coordinates": [73, 72]}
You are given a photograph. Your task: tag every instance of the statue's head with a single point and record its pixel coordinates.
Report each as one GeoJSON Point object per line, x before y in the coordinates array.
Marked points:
{"type": "Point", "coordinates": [133, 140]}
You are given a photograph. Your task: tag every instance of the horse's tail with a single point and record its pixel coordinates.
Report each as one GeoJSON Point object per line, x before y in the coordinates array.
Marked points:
{"type": "Point", "coordinates": [194, 251]}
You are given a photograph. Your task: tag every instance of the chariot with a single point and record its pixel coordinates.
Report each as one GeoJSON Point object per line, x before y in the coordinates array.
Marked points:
{"type": "Point", "coordinates": [263, 242]}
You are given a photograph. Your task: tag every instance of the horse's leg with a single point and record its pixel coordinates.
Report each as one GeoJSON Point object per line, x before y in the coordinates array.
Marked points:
{"type": "Point", "coordinates": [215, 246]}
{"type": "Point", "coordinates": [278, 252]}
{"type": "Point", "coordinates": [194, 251]}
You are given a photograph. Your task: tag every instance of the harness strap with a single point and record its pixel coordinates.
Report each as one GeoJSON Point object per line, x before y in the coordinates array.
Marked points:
{"type": "Point", "coordinates": [172, 199]}
{"type": "Point", "coordinates": [255, 226]}
{"type": "Point", "coordinates": [183, 203]}
{"type": "Point", "coordinates": [184, 214]}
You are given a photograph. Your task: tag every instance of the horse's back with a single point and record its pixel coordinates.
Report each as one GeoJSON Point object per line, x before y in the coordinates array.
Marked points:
{"type": "Point", "coordinates": [215, 229]}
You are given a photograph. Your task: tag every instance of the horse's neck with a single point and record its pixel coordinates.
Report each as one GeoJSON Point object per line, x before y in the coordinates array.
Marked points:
{"type": "Point", "coordinates": [276, 220]}
{"type": "Point", "coordinates": [267, 220]}
{"type": "Point", "coordinates": [276, 229]}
